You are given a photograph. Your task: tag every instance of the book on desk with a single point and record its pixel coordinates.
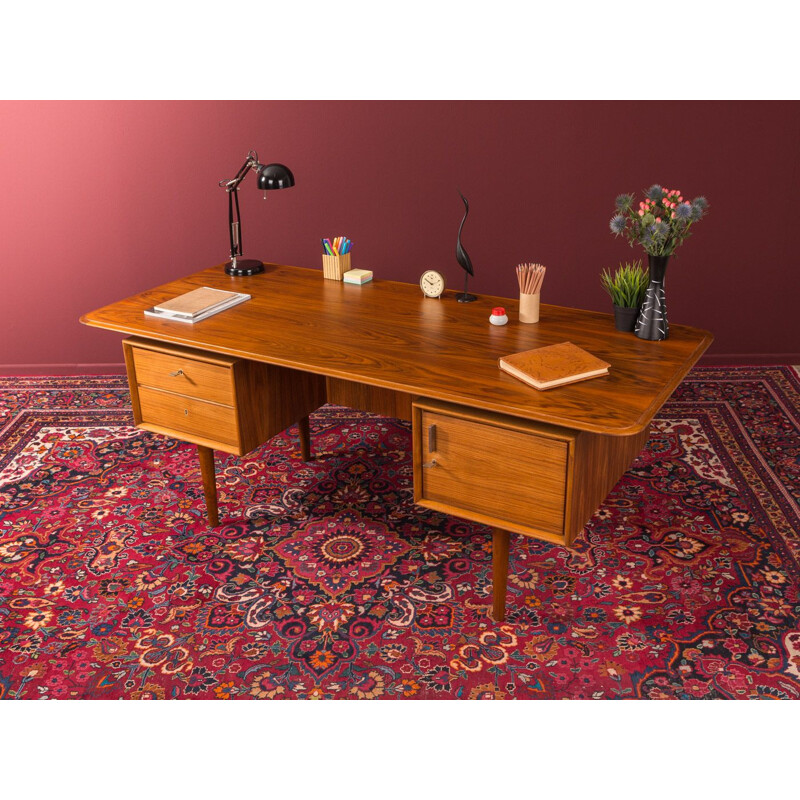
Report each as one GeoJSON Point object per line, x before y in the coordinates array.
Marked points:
{"type": "Point", "coordinates": [197, 305]}
{"type": "Point", "coordinates": [555, 365]}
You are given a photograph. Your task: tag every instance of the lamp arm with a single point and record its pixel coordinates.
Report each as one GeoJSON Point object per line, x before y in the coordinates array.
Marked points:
{"type": "Point", "coordinates": [234, 218]}
{"type": "Point", "coordinates": [234, 226]}
{"type": "Point", "coordinates": [250, 162]}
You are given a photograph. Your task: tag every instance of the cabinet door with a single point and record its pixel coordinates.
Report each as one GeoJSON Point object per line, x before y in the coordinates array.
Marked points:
{"type": "Point", "coordinates": [503, 475]}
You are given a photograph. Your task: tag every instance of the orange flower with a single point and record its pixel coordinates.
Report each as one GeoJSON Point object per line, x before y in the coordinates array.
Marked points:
{"type": "Point", "coordinates": [628, 614]}
{"type": "Point", "coordinates": [321, 659]}
{"type": "Point", "coordinates": [224, 690]}
{"type": "Point", "coordinates": [407, 687]}
{"type": "Point", "coordinates": [38, 618]}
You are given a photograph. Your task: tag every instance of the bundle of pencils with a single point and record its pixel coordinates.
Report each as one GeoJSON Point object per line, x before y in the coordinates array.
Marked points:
{"type": "Point", "coordinates": [530, 277]}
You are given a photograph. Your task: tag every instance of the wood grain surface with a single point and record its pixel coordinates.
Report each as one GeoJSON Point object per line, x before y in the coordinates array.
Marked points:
{"type": "Point", "coordinates": [188, 417]}
{"type": "Point", "coordinates": [175, 373]}
{"type": "Point", "coordinates": [387, 334]}
{"type": "Point", "coordinates": [476, 468]}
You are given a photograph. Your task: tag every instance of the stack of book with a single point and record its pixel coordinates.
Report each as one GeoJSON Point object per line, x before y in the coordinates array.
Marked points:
{"type": "Point", "coordinates": [196, 305]}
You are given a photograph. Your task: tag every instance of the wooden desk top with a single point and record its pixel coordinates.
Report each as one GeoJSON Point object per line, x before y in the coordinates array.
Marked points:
{"type": "Point", "coordinates": [387, 334]}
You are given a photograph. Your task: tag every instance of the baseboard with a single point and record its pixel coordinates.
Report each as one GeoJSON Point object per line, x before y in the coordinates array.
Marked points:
{"type": "Point", "coordinates": [62, 369]}
{"type": "Point", "coordinates": [748, 359]}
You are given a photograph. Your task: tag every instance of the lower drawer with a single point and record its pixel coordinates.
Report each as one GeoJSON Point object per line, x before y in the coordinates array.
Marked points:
{"type": "Point", "coordinates": [188, 415]}
{"type": "Point", "coordinates": [491, 469]}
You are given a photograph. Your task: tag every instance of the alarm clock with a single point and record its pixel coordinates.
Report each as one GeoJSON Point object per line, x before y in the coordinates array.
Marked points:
{"type": "Point", "coordinates": [432, 283]}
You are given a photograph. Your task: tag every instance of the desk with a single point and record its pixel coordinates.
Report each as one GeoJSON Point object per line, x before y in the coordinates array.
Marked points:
{"type": "Point", "coordinates": [487, 447]}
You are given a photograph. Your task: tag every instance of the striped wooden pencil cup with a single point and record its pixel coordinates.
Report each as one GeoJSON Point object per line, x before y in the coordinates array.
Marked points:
{"type": "Point", "coordinates": [334, 267]}
{"type": "Point", "coordinates": [529, 307]}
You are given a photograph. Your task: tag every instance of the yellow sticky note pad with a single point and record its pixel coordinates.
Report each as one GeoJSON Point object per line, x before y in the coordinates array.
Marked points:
{"type": "Point", "coordinates": [357, 276]}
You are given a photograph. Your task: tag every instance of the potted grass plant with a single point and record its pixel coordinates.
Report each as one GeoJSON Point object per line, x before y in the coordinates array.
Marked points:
{"type": "Point", "coordinates": [627, 287]}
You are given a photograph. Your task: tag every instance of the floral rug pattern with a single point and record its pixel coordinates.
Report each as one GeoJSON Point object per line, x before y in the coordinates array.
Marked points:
{"type": "Point", "coordinates": [324, 580]}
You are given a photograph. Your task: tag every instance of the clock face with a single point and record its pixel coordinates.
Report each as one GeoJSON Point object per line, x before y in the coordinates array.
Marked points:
{"type": "Point", "coordinates": [432, 283]}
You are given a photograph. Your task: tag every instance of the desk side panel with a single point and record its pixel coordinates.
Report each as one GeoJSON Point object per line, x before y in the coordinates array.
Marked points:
{"type": "Point", "coordinates": [598, 463]}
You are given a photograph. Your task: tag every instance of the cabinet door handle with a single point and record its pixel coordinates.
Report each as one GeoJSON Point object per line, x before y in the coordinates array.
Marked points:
{"type": "Point", "coordinates": [431, 438]}
{"type": "Point", "coordinates": [176, 373]}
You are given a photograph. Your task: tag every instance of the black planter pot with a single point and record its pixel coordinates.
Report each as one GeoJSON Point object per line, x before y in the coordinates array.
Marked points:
{"type": "Point", "coordinates": [652, 322]}
{"type": "Point", "coordinates": [625, 318]}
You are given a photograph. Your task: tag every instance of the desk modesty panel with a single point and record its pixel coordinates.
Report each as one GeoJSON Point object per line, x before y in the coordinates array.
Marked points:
{"type": "Point", "coordinates": [386, 334]}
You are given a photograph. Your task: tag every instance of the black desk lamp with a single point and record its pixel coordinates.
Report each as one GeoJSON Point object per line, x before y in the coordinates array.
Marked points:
{"type": "Point", "coordinates": [270, 176]}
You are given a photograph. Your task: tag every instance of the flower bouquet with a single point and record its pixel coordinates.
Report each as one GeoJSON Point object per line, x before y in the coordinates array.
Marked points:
{"type": "Point", "coordinates": [661, 223]}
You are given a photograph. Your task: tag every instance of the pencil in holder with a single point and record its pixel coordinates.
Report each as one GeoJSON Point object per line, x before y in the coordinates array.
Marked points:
{"type": "Point", "coordinates": [529, 307]}
{"type": "Point", "coordinates": [530, 277]}
{"type": "Point", "coordinates": [334, 267]}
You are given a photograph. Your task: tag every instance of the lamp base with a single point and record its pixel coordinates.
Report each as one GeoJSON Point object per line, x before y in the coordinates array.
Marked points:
{"type": "Point", "coordinates": [466, 298]}
{"type": "Point", "coordinates": [242, 267]}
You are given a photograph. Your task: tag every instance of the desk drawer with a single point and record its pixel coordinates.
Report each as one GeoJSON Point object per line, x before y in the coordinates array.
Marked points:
{"type": "Point", "coordinates": [188, 415]}
{"type": "Point", "coordinates": [491, 469]}
{"type": "Point", "coordinates": [174, 372]}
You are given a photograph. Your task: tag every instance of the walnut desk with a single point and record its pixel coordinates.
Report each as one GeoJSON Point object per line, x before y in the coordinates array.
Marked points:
{"type": "Point", "coordinates": [486, 447]}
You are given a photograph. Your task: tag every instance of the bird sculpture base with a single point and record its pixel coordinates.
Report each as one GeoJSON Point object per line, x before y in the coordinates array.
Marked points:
{"type": "Point", "coordinates": [241, 267]}
{"type": "Point", "coordinates": [466, 298]}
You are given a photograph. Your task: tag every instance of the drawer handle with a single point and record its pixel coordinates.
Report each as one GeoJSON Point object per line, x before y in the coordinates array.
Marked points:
{"type": "Point", "coordinates": [431, 438]}
{"type": "Point", "coordinates": [431, 463]}
{"type": "Point", "coordinates": [176, 373]}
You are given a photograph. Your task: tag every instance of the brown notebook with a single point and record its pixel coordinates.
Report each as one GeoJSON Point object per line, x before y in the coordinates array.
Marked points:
{"type": "Point", "coordinates": [554, 365]}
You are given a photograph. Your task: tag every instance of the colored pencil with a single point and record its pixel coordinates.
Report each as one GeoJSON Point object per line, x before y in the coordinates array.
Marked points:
{"type": "Point", "coordinates": [530, 278]}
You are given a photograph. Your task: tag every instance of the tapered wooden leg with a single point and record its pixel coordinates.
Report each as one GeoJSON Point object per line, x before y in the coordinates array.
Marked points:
{"type": "Point", "coordinates": [206, 455]}
{"type": "Point", "coordinates": [305, 439]}
{"type": "Point", "coordinates": [500, 542]}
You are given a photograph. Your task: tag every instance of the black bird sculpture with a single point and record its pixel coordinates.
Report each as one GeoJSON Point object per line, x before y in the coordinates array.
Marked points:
{"type": "Point", "coordinates": [463, 258]}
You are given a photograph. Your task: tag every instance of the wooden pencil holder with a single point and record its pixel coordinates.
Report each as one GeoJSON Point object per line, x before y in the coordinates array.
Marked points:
{"type": "Point", "coordinates": [529, 307]}
{"type": "Point", "coordinates": [334, 267]}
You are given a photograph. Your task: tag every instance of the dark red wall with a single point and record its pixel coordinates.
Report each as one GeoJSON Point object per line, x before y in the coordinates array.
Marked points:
{"type": "Point", "coordinates": [100, 200]}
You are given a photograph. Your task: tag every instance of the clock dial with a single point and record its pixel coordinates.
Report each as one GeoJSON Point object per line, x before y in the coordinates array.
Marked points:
{"type": "Point", "coordinates": [432, 283]}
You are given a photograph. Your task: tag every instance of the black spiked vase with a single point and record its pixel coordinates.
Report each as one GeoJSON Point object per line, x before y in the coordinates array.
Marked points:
{"type": "Point", "coordinates": [652, 323]}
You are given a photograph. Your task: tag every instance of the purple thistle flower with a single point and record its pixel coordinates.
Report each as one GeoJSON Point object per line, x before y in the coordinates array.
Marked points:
{"type": "Point", "coordinates": [617, 224]}
{"type": "Point", "coordinates": [696, 213]}
{"type": "Point", "coordinates": [655, 192]}
{"type": "Point", "coordinates": [701, 202]}
{"type": "Point", "coordinates": [683, 211]}
{"type": "Point", "coordinates": [661, 230]}
{"type": "Point", "coordinates": [623, 202]}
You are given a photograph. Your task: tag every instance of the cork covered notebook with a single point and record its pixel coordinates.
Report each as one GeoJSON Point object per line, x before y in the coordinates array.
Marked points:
{"type": "Point", "coordinates": [198, 301]}
{"type": "Point", "coordinates": [554, 365]}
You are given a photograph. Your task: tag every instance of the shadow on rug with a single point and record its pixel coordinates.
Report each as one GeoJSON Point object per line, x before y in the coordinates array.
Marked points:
{"type": "Point", "coordinates": [325, 581]}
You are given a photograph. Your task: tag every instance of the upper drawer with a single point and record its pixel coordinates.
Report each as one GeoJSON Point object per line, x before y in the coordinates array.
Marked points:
{"type": "Point", "coordinates": [177, 373]}
{"type": "Point", "coordinates": [493, 472]}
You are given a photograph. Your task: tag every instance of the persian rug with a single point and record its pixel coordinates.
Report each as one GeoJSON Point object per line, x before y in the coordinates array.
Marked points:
{"type": "Point", "coordinates": [325, 581]}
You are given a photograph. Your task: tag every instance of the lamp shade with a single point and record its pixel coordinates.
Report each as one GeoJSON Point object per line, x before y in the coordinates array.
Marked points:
{"type": "Point", "coordinates": [275, 176]}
